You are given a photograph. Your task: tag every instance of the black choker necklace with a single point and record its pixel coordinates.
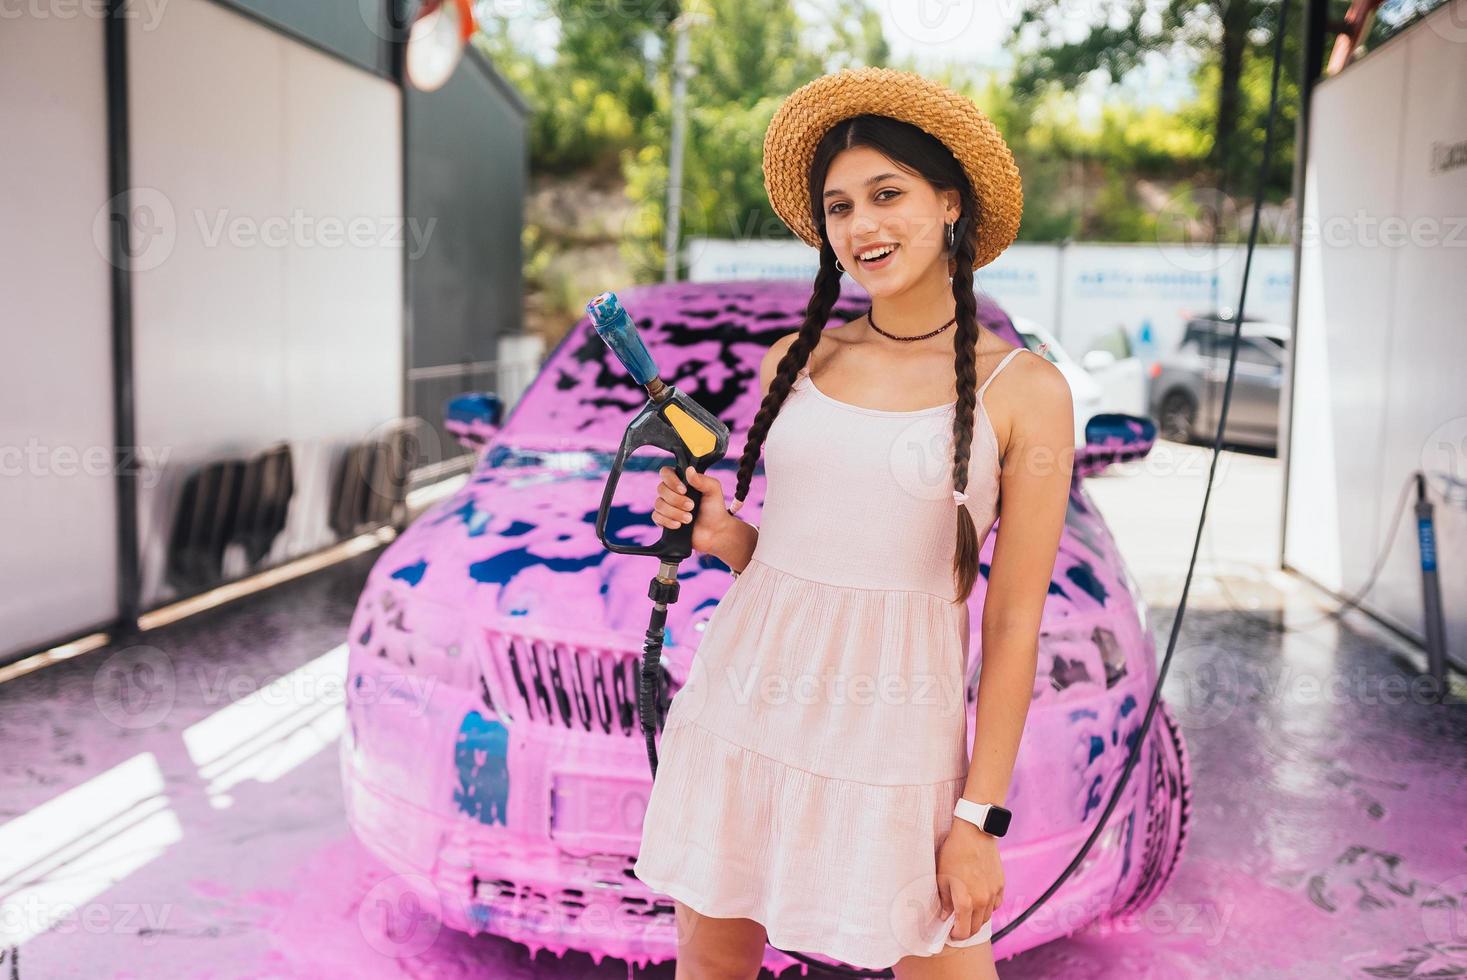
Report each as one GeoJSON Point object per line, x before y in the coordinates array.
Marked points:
{"type": "Point", "coordinates": [932, 333]}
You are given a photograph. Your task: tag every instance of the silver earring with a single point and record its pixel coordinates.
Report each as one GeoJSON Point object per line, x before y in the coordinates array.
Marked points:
{"type": "Point", "coordinates": [839, 266]}
{"type": "Point", "coordinates": [950, 236]}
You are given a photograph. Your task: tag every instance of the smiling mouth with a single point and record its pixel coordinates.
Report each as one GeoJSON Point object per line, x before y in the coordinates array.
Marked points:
{"type": "Point", "coordinates": [882, 260]}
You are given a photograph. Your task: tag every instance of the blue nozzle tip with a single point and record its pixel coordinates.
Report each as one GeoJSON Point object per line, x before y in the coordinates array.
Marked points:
{"type": "Point", "coordinates": [604, 308]}
{"type": "Point", "coordinates": [614, 326]}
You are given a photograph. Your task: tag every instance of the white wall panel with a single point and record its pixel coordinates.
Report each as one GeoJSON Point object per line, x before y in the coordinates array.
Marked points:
{"type": "Point", "coordinates": [1344, 325]}
{"type": "Point", "coordinates": [1082, 292]}
{"type": "Point", "coordinates": [1382, 345]}
{"type": "Point", "coordinates": [275, 310]}
{"type": "Point", "coordinates": [1103, 286]}
{"type": "Point", "coordinates": [57, 498]}
{"type": "Point", "coordinates": [1425, 418]}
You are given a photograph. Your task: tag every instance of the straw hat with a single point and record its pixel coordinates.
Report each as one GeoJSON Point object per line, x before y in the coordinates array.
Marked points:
{"type": "Point", "coordinates": [805, 116]}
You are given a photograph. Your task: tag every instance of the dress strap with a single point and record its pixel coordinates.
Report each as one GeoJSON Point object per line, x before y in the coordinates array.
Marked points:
{"type": "Point", "coordinates": [1006, 358]}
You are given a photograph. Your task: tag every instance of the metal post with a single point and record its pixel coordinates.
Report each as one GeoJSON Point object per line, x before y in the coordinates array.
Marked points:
{"type": "Point", "coordinates": [124, 408]}
{"type": "Point", "coordinates": [681, 71]}
{"type": "Point", "coordinates": [1431, 593]}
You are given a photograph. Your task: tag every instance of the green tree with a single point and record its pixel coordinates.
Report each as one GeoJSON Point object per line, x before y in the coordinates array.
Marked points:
{"type": "Point", "coordinates": [1127, 31]}
{"type": "Point", "coordinates": [595, 96]}
{"type": "Point", "coordinates": [608, 43]}
{"type": "Point", "coordinates": [746, 58]}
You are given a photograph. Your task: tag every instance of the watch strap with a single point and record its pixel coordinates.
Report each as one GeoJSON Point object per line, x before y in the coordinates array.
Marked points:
{"type": "Point", "coordinates": [976, 814]}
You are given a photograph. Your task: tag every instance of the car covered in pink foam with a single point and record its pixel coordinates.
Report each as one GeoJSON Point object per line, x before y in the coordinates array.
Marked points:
{"type": "Point", "coordinates": [494, 757]}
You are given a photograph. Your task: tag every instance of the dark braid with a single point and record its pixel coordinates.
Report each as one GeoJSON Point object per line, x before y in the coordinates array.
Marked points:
{"type": "Point", "coordinates": [965, 342]}
{"type": "Point", "coordinates": [817, 314]}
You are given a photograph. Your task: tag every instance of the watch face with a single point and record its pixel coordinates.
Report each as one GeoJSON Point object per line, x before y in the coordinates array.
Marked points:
{"type": "Point", "coordinates": [997, 823]}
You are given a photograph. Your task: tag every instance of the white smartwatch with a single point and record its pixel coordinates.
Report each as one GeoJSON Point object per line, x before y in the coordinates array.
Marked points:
{"type": "Point", "coordinates": [988, 817]}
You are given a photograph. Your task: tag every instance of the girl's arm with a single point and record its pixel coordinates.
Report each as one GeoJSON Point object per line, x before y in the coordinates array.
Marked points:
{"type": "Point", "coordinates": [735, 544]}
{"type": "Point", "coordinates": [1034, 492]}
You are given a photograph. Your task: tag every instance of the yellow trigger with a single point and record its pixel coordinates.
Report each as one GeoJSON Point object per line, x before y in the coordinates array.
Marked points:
{"type": "Point", "coordinates": [694, 435]}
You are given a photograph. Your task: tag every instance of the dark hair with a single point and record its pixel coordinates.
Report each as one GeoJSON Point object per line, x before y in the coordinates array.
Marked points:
{"type": "Point", "coordinates": [927, 156]}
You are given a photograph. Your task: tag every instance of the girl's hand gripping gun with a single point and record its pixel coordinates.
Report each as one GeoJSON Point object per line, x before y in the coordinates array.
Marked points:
{"type": "Point", "coordinates": [695, 437]}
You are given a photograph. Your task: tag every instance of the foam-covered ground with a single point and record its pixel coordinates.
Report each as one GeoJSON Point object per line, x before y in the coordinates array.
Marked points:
{"type": "Point", "coordinates": [172, 808]}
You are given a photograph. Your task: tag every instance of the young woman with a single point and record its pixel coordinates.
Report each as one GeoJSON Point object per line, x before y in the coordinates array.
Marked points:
{"type": "Point", "coordinates": [813, 766]}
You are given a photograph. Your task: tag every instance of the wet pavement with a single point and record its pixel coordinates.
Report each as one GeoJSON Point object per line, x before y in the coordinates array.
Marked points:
{"type": "Point", "coordinates": [173, 808]}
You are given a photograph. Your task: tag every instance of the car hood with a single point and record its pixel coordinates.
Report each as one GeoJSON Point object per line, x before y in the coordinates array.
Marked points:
{"type": "Point", "coordinates": [515, 550]}
{"type": "Point", "coordinates": [516, 547]}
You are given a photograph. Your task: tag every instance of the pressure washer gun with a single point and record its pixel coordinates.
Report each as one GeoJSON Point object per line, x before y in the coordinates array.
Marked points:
{"type": "Point", "coordinates": [695, 437]}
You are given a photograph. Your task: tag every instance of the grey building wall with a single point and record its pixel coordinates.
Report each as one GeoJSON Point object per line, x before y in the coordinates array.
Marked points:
{"type": "Point", "coordinates": [359, 31]}
{"type": "Point", "coordinates": [467, 172]}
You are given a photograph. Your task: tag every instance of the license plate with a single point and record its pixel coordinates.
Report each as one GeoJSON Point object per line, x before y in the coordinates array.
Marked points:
{"type": "Point", "coordinates": [594, 810]}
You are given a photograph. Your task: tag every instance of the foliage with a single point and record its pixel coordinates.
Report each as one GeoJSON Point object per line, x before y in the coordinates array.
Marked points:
{"type": "Point", "coordinates": [747, 57]}
{"type": "Point", "coordinates": [1230, 40]}
{"type": "Point", "coordinates": [604, 102]}
{"type": "Point", "coordinates": [594, 98]}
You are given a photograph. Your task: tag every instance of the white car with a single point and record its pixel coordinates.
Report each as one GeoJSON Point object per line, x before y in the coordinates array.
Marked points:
{"type": "Point", "coordinates": [1099, 382]}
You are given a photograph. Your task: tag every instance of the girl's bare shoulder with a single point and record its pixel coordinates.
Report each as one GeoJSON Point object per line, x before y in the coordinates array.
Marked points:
{"type": "Point", "coordinates": [1030, 391]}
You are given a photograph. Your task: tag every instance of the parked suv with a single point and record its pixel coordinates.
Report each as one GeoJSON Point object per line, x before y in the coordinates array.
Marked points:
{"type": "Point", "coordinates": [1186, 391]}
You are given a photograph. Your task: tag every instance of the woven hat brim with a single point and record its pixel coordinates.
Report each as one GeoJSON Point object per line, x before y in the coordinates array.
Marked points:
{"type": "Point", "coordinates": [804, 117]}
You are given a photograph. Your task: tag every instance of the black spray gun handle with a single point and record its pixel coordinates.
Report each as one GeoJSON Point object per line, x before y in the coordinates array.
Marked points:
{"type": "Point", "coordinates": [676, 544]}
{"type": "Point", "coordinates": [670, 421]}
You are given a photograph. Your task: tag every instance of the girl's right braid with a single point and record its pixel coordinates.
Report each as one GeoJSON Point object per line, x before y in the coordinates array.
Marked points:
{"type": "Point", "coordinates": [817, 313]}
